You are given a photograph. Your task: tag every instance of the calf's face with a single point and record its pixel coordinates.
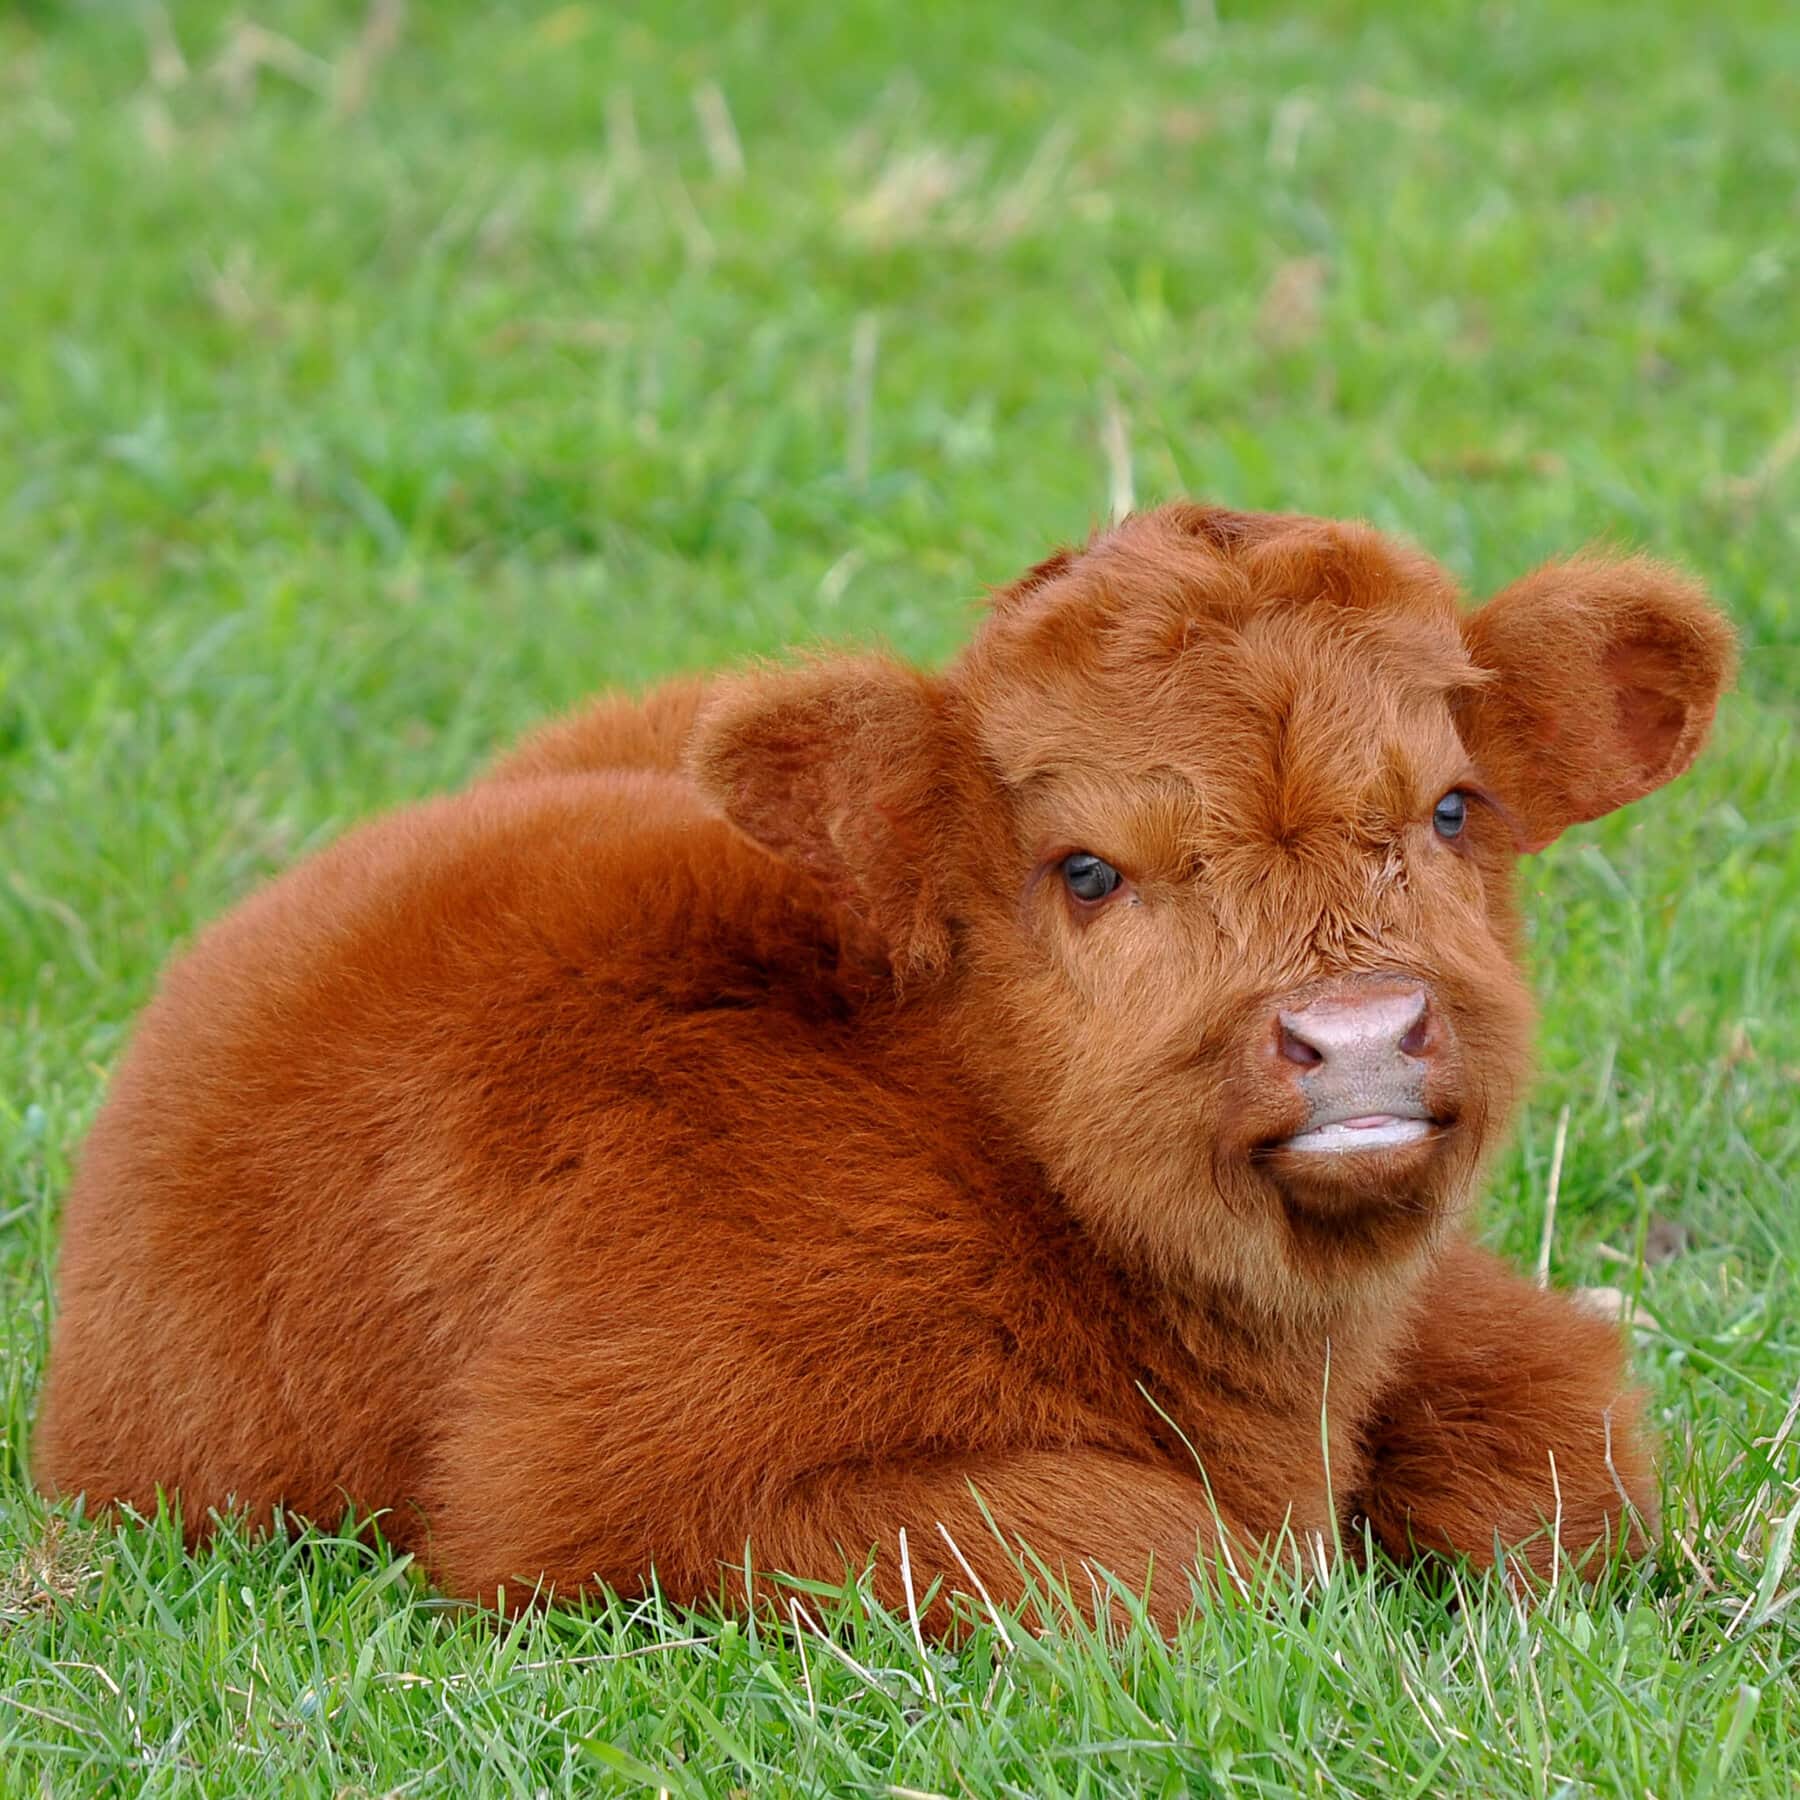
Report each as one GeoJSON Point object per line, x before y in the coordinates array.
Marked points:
{"type": "Point", "coordinates": [1204, 847]}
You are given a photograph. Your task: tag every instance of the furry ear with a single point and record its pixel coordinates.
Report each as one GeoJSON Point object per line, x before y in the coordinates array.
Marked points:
{"type": "Point", "coordinates": [837, 767]}
{"type": "Point", "coordinates": [1605, 675]}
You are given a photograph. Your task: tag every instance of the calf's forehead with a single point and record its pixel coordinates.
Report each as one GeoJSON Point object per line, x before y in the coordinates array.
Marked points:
{"type": "Point", "coordinates": [1289, 706]}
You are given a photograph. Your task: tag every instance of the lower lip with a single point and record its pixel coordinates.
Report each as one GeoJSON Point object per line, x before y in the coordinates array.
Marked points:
{"type": "Point", "coordinates": [1374, 1131]}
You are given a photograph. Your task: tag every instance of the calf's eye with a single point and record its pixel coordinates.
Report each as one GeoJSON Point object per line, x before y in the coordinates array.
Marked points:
{"type": "Point", "coordinates": [1450, 815]}
{"type": "Point", "coordinates": [1087, 877]}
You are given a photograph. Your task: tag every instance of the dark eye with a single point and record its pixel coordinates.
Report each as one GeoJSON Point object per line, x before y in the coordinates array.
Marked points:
{"type": "Point", "coordinates": [1450, 815]}
{"type": "Point", "coordinates": [1088, 878]}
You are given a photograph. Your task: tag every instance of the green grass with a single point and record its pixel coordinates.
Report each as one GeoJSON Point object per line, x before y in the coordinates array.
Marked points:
{"type": "Point", "coordinates": [341, 438]}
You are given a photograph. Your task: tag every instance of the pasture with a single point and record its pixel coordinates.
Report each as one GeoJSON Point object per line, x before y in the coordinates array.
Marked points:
{"type": "Point", "coordinates": [377, 380]}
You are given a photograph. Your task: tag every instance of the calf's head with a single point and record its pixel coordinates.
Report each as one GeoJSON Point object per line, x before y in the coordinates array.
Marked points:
{"type": "Point", "coordinates": [1203, 848]}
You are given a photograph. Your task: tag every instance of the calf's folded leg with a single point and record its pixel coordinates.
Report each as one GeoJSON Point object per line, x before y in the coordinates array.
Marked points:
{"type": "Point", "coordinates": [1509, 1425]}
{"type": "Point", "coordinates": [1075, 1511]}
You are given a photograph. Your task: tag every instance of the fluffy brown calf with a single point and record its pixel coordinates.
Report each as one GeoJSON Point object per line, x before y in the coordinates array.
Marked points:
{"type": "Point", "coordinates": [842, 1099]}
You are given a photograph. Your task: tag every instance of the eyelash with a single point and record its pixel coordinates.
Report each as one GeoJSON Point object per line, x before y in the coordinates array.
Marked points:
{"type": "Point", "coordinates": [1050, 868]}
{"type": "Point", "coordinates": [1091, 864]}
{"type": "Point", "coordinates": [1478, 796]}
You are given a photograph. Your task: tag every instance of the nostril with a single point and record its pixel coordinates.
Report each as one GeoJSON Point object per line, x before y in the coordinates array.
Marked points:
{"type": "Point", "coordinates": [1295, 1048]}
{"type": "Point", "coordinates": [1417, 1041]}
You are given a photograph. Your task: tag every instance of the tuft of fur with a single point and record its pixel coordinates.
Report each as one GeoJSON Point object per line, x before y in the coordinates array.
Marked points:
{"type": "Point", "coordinates": [720, 1126]}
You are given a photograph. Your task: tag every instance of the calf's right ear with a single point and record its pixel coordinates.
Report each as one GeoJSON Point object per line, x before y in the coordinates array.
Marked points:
{"type": "Point", "coordinates": [1603, 674]}
{"type": "Point", "coordinates": [838, 768]}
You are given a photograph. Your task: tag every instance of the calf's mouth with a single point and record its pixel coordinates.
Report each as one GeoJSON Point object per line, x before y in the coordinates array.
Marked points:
{"type": "Point", "coordinates": [1345, 1133]}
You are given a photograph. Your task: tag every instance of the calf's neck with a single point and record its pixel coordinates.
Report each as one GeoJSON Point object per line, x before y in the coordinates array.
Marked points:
{"type": "Point", "coordinates": [1032, 1103]}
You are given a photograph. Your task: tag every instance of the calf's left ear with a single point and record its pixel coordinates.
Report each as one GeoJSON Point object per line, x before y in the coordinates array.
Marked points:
{"type": "Point", "coordinates": [1604, 676]}
{"type": "Point", "coordinates": [837, 767]}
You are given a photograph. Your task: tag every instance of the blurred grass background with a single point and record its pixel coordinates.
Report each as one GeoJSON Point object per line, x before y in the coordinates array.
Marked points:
{"type": "Point", "coordinates": [375, 379]}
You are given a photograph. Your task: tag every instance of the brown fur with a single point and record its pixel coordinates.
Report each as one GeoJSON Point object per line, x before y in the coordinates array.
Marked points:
{"type": "Point", "coordinates": [613, 1165]}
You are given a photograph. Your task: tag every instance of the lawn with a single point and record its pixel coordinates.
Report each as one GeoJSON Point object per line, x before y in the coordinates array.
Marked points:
{"type": "Point", "coordinates": [373, 382]}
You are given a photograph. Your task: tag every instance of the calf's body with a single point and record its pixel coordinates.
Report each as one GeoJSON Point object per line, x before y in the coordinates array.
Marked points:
{"type": "Point", "coordinates": [729, 1125]}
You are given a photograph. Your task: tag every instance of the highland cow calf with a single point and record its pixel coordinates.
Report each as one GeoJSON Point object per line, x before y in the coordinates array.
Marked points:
{"type": "Point", "coordinates": [1037, 1102]}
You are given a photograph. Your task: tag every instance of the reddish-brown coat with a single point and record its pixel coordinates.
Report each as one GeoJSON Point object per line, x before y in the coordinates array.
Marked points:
{"type": "Point", "coordinates": [720, 1126]}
